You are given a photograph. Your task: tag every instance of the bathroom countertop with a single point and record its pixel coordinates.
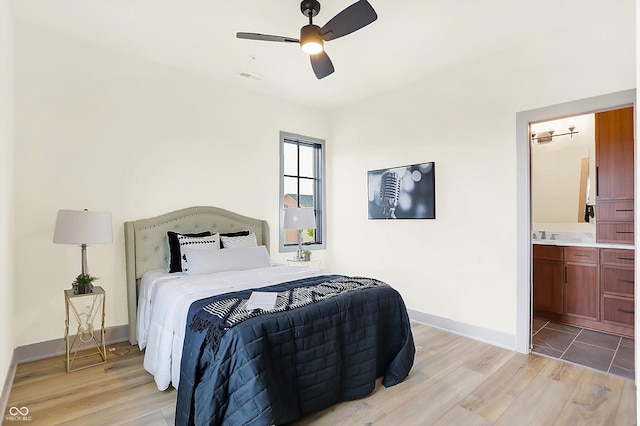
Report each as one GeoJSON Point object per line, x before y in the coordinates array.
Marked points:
{"type": "Point", "coordinates": [583, 244]}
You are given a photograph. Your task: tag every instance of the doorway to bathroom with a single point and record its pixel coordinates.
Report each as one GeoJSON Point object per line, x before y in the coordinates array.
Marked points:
{"type": "Point", "coordinates": [566, 259]}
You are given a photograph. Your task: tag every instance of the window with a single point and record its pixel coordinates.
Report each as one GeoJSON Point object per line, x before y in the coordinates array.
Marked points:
{"type": "Point", "coordinates": [302, 185]}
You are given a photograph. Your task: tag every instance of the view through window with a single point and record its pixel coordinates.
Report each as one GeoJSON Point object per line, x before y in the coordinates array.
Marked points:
{"type": "Point", "coordinates": [302, 169]}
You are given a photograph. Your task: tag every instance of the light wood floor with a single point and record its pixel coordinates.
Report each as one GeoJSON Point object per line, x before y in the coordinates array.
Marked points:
{"type": "Point", "coordinates": [455, 381]}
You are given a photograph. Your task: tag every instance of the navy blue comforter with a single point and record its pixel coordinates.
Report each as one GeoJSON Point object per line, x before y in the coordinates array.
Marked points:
{"type": "Point", "coordinates": [281, 367]}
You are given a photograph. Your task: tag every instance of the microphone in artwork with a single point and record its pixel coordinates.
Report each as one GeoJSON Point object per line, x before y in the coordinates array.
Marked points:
{"type": "Point", "coordinates": [389, 193]}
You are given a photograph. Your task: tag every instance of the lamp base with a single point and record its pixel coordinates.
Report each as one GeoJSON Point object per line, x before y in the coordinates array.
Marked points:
{"type": "Point", "coordinates": [84, 289]}
{"type": "Point", "coordinates": [302, 257]}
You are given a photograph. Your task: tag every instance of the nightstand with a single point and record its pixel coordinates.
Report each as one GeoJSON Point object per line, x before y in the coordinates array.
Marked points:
{"type": "Point", "coordinates": [310, 263]}
{"type": "Point", "coordinates": [86, 309]}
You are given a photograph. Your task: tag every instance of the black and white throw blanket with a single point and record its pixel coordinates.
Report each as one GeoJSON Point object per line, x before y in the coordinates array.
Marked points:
{"type": "Point", "coordinates": [326, 341]}
{"type": "Point", "coordinates": [219, 316]}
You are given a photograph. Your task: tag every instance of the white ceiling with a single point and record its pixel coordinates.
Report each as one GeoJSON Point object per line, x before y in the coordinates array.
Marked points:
{"type": "Point", "coordinates": [410, 40]}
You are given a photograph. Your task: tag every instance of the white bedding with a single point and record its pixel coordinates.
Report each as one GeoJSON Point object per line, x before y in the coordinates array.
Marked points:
{"type": "Point", "coordinates": [163, 305]}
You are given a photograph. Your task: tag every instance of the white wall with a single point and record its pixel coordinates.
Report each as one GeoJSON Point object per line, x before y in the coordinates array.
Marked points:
{"type": "Point", "coordinates": [462, 266]}
{"type": "Point", "coordinates": [6, 190]}
{"type": "Point", "coordinates": [101, 130]}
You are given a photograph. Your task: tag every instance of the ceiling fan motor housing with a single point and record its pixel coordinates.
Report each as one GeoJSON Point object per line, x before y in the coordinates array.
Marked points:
{"type": "Point", "coordinates": [310, 34]}
{"type": "Point", "coordinates": [310, 8]}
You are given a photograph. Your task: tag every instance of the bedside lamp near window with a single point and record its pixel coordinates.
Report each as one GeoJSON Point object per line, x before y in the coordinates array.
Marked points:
{"type": "Point", "coordinates": [299, 219]}
{"type": "Point", "coordinates": [83, 228]}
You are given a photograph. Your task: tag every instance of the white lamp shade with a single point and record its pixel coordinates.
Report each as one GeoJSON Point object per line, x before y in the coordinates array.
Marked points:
{"type": "Point", "coordinates": [83, 227]}
{"type": "Point", "coordinates": [299, 218]}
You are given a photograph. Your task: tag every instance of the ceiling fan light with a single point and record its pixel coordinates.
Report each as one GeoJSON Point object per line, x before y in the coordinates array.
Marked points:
{"type": "Point", "coordinates": [311, 48]}
{"type": "Point", "coordinates": [310, 40]}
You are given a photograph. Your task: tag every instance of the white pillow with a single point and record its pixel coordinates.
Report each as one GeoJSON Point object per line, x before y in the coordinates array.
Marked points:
{"type": "Point", "coordinates": [209, 243]}
{"type": "Point", "coordinates": [240, 241]}
{"type": "Point", "coordinates": [209, 261]}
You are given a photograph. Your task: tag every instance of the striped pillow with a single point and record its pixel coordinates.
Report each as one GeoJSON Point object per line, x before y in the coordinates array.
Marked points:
{"type": "Point", "coordinates": [197, 243]}
{"type": "Point", "coordinates": [175, 264]}
{"type": "Point", "coordinates": [240, 241]}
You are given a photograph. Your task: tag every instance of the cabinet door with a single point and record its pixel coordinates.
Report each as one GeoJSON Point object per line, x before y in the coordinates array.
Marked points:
{"type": "Point", "coordinates": [581, 292]}
{"type": "Point", "coordinates": [614, 154]}
{"type": "Point", "coordinates": [617, 232]}
{"type": "Point", "coordinates": [616, 280]}
{"type": "Point", "coordinates": [547, 285]}
{"type": "Point", "coordinates": [618, 310]}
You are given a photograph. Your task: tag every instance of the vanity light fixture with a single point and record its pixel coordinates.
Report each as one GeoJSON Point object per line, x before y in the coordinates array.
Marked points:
{"type": "Point", "coordinates": [545, 137]}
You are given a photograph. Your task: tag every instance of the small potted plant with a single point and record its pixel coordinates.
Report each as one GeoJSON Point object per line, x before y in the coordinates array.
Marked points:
{"type": "Point", "coordinates": [306, 254]}
{"type": "Point", "coordinates": [83, 284]}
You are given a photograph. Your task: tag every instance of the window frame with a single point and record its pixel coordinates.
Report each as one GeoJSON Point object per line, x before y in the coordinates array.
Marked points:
{"type": "Point", "coordinates": [319, 196]}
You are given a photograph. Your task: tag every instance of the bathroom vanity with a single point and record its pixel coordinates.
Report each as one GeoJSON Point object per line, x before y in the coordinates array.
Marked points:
{"type": "Point", "coordinates": [589, 285]}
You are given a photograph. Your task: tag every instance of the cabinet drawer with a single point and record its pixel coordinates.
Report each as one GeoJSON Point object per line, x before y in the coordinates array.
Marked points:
{"type": "Point", "coordinates": [617, 280]}
{"type": "Point", "coordinates": [581, 254]}
{"type": "Point", "coordinates": [617, 257]}
{"type": "Point", "coordinates": [547, 252]}
{"type": "Point", "coordinates": [612, 211]}
{"type": "Point", "coordinates": [621, 232]}
{"type": "Point", "coordinates": [618, 310]}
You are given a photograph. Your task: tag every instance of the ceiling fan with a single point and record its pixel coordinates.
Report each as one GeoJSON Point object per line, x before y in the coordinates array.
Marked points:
{"type": "Point", "coordinates": [312, 37]}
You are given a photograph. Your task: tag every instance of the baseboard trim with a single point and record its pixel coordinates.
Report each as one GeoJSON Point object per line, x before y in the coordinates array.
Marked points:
{"type": "Point", "coordinates": [496, 338]}
{"type": "Point", "coordinates": [51, 348]}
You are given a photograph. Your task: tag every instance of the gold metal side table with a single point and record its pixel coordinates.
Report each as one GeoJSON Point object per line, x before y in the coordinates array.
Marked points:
{"type": "Point", "coordinates": [85, 308]}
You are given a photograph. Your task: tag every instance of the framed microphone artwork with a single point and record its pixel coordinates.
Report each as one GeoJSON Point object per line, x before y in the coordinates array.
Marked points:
{"type": "Point", "coordinates": [407, 192]}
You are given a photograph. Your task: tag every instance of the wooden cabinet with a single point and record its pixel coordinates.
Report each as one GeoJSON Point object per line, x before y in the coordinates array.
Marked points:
{"type": "Point", "coordinates": [615, 232]}
{"type": "Point", "coordinates": [617, 211]}
{"type": "Point", "coordinates": [548, 273]}
{"type": "Point", "coordinates": [617, 278]}
{"type": "Point", "coordinates": [614, 175]}
{"type": "Point", "coordinates": [582, 293]}
{"type": "Point", "coordinates": [585, 286]}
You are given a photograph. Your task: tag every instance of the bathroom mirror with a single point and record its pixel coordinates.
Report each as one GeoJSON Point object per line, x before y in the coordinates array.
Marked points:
{"type": "Point", "coordinates": [563, 170]}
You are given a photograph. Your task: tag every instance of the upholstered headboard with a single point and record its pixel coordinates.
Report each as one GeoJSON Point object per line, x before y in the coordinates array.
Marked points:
{"type": "Point", "coordinates": [146, 245]}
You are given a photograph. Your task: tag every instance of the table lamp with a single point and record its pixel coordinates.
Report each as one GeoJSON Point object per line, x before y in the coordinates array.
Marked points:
{"type": "Point", "coordinates": [299, 218]}
{"type": "Point", "coordinates": [83, 227]}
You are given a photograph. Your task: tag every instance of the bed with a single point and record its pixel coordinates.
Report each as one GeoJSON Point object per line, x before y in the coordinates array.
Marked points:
{"type": "Point", "coordinates": [327, 339]}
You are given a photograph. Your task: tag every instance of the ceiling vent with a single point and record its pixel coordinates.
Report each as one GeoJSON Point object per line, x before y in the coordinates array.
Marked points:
{"type": "Point", "coordinates": [249, 76]}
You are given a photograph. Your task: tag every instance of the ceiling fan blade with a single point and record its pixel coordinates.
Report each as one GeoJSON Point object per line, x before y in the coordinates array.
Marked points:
{"type": "Point", "coordinates": [354, 17]}
{"type": "Point", "coordinates": [267, 37]}
{"type": "Point", "coordinates": [321, 64]}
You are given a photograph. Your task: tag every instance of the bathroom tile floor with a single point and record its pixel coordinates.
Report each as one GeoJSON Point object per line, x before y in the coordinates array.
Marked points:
{"type": "Point", "coordinates": [600, 351]}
